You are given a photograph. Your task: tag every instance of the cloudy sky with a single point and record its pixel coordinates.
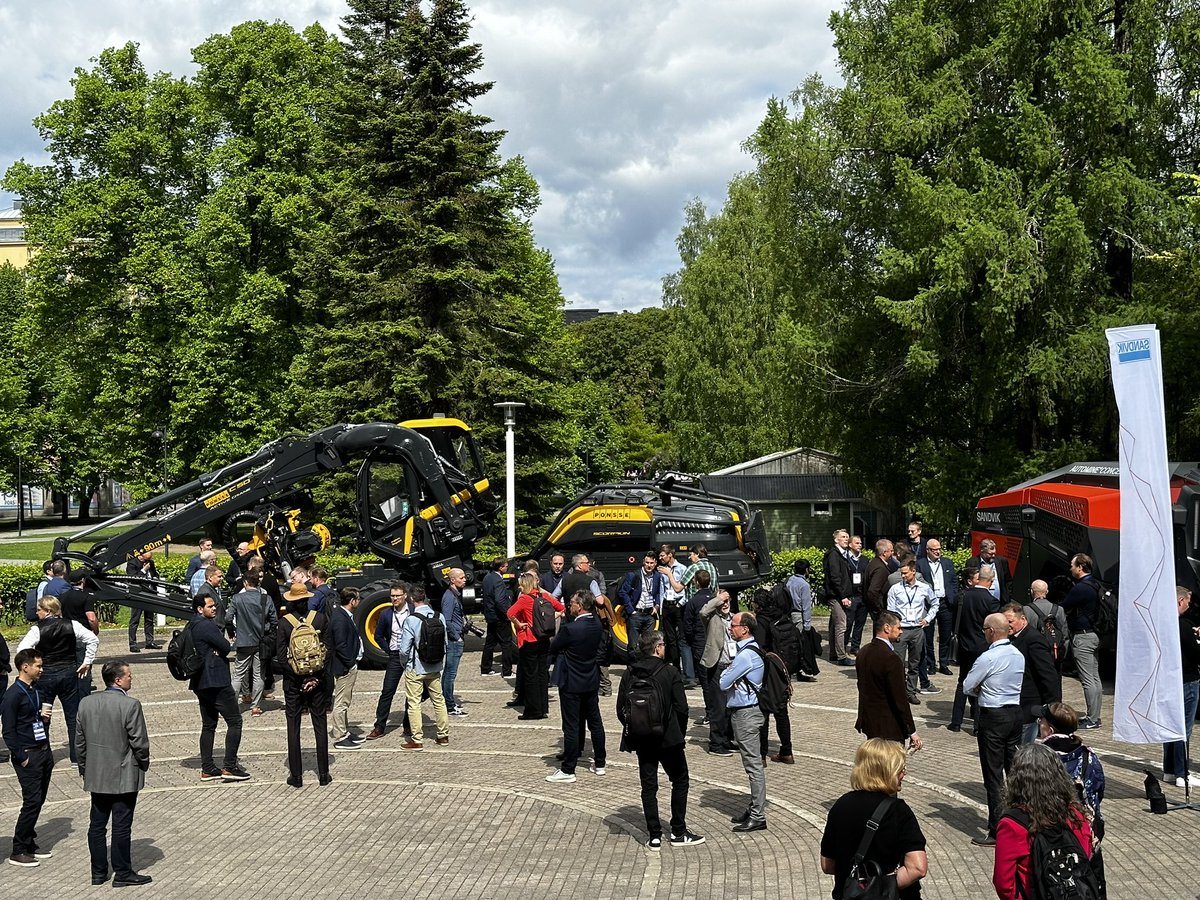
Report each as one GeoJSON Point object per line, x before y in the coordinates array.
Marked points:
{"type": "Point", "coordinates": [624, 111]}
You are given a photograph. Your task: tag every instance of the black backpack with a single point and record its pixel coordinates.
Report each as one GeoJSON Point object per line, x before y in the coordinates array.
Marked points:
{"type": "Point", "coordinates": [1059, 869]}
{"type": "Point", "coordinates": [776, 690]}
{"type": "Point", "coordinates": [431, 640]}
{"type": "Point", "coordinates": [183, 660]}
{"type": "Point", "coordinates": [1048, 625]}
{"type": "Point", "coordinates": [644, 709]}
{"type": "Point", "coordinates": [785, 640]}
{"type": "Point", "coordinates": [543, 617]}
{"type": "Point", "coordinates": [781, 601]}
{"type": "Point", "coordinates": [1105, 619]}
{"type": "Point", "coordinates": [31, 599]}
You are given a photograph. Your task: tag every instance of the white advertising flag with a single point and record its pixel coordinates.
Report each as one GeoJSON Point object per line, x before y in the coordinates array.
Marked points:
{"type": "Point", "coordinates": [1148, 704]}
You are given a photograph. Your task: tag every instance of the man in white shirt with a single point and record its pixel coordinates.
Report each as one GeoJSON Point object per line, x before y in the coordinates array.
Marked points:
{"type": "Point", "coordinates": [914, 603]}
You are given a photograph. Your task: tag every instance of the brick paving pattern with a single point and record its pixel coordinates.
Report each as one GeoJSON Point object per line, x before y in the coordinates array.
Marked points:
{"type": "Point", "coordinates": [475, 819]}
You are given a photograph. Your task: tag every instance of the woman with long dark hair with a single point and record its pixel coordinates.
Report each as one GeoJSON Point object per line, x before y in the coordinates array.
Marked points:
{"type": "Point", "coordinates": [1040, 798]}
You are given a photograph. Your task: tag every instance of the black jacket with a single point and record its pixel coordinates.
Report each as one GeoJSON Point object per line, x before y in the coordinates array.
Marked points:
{"type": "Point", "coordinates": [1003, 576]}
{"type": "Point", "coordinates": [670, 686]}
{"type": "Point", "coordinates": [977, 604]}
{"type": "Point", "coordinates": [1041, 683]}
{"type": "Point", "coordinates": [839, 576]}
{"type": "Point", "coordinates": [496, 598]}
{"type": "Point", "coordinates": [690, 624]}
{"type": "Point", "coordinates": [577, 645]}
{"type": "Point", "coordinates": [214, 650]}
{"type": "Point", "coordinates": [343, 641]}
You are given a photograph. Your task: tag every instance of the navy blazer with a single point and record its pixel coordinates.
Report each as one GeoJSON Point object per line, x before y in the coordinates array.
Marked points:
{"type": "Point", "coordinates": [577, 670]}
{"type": "Point", "coordinates": [949, 578]}
{"type": "Point", "coordinates": [214, 650]}
{"type": "Point", "coordinates": [343, 641]}
{"type": "Point", "coordinates": [631, 591]}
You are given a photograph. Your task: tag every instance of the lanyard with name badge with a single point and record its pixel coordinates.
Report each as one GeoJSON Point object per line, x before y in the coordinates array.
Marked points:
{"type": "Point", "coordinates": [39, 727]}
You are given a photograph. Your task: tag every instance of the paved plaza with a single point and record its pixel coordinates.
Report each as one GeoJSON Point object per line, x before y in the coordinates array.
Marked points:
{"type": "Point", "coordinates": [475, 819]}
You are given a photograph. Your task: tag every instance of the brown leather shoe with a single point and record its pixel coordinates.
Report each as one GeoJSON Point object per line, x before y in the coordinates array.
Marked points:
{"type": "Point", "coordinates": [412, 745]}
{"type": "Point", "coordinates": [375, 734]}
{"type": "Point", "coordinates": [443, 741]}
{"type": "Point", "coordinates": [786, 758]}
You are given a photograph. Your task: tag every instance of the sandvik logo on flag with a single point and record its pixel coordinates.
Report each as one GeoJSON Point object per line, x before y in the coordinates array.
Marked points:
{"type": "Point", "coordinates": [1132, 351]}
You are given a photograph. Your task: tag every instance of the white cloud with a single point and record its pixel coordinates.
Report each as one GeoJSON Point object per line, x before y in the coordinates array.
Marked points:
{"type": "Point", "coordinates": [623, 110]}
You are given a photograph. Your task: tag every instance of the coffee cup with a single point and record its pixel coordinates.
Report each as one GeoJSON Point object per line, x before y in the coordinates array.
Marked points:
{"type": "Point", "coordinates": [46, 709]}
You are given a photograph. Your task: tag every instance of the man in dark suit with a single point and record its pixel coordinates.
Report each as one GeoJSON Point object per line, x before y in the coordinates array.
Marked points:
{"type": "Point", "coordinates": [938, 572]}
{"type": "Point", "coordinates": [113, 747]}
{"type": "Point", "coordinates": [1041, 684]}
{"type": "Point", "coordinates": [142, 566]}
{"type": "Point", "coordinates": [915, 543]}
{"type": "Point", "coordinates": [346, 650]}
{"type": "Point", "coordinates": [883, 707]}
{"type": "Point", "coordinates": [641, 595]}
{"type": "Point", "coordinates": [839, 593]}
{"type": "Point", "coordinates": [577, 674]}
{"type": "Point", "coordinates": [1001, 587]}
{"type": "Point", "coordinates": [977, 604]}
{"type": "Point", "coordinates": [213, 687]}
{"type": "Point", "coordinates": [878, 571]}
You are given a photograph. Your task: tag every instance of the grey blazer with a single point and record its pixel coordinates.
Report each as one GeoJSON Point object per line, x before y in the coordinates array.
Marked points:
{"type": "Point", "coordinates": [111, 743]}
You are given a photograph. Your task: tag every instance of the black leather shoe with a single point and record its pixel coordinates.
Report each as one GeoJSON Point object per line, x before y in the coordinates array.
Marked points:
{"type": "Point", "coordinates": [747, 826]}
{"type": "Point", "coordinates": [130, 880]}
{"type": "Point", "coordinates": [513, 704]}
{"type": "Point", "coordinates": [986, 841]}
{"type": "Point", "coordinates": [295, 782]}
{"type": "Point", "coordinates": [135, 650]}
{"type": "Point", "coordinates": [99, 879]}
{"type": "Point", "coordinates": [954, 728]}
{"type": "Point", "coordinates": [324, 779]}
{"type": "Point", "coordinates": [738, 820]}
{"type": "Point", "coordinates": [944, 670]}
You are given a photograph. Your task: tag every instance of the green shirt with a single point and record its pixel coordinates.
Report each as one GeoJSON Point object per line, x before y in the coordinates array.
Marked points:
{"type": "Point", "coordinates": [689, 575]}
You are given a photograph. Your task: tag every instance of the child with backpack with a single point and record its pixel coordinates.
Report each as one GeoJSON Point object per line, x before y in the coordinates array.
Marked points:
{"type": "Point", "coordinates": [1044, 841]}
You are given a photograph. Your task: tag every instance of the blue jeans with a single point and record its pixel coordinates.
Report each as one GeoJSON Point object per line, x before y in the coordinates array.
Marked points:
{"type": "Point", "coordinates": [635, 625]}
{"type": "Point", "coordinates": [1175, 754]}
{"type": "Point", "coordinates": [454, 652]}
{"type": "Point", "coordinates": [686, 662]}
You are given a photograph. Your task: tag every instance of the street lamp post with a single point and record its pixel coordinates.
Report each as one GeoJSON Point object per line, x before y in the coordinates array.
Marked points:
{"type": "Point", "coordinates": [160, 434]}
{"type": "Point", "coordinates": [510, 478]}
{"type": "Point", "coordinates": [20, 498]}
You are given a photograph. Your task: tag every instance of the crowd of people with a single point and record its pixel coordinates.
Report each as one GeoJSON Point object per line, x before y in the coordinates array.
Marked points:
{"type": "Point", "coordinates": [684, 632]}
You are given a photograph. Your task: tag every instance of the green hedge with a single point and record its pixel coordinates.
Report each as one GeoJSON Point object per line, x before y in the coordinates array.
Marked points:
{"type": "Point", "coordinates": [16, 580]}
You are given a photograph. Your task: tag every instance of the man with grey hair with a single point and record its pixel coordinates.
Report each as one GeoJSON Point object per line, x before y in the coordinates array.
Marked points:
{"type": "Point", "coordinates": [1001, 585]}
{"type": "Point", "coordinates": [838, 594]}
{"type": "Point", "coordinates": [580, 578]}
{"type": "Point", "coordinates": [976, 604]}
{"type": "Point", "coordinates": [878, 570]}
{"type": "Point", "coordinates": [995, 678]}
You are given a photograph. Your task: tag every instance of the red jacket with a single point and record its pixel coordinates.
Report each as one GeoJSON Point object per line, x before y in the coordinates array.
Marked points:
{"type": "Point", "coordinates": [521, 613]}
{"type": "Point", "coordinates": [1012, 855]}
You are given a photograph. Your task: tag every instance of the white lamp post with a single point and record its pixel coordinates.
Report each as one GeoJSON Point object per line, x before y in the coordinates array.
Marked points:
{"type": "Point", "coordinates": [510, 478]}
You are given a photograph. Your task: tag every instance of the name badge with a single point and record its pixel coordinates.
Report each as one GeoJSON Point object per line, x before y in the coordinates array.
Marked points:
{"type": "Point", "coordinates": [39, 730]}
{"type": "Point", "coordinates": [858, 578]}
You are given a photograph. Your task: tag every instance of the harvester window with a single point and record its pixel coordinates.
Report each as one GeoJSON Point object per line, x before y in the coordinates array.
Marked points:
{"type": "Point", "coordinates": [390, 498]}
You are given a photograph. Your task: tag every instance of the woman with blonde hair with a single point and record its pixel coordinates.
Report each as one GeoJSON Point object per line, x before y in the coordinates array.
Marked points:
{"type": "Point", "coordinates": [533, 652]}
{"type": "Point", "coordinates": [897, 847]}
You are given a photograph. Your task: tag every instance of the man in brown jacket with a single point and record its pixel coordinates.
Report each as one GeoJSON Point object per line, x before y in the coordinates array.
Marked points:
{"type": "Point", "coordinates": [883, 708]}
{"type": "Point", "coordinates": [878, 570]}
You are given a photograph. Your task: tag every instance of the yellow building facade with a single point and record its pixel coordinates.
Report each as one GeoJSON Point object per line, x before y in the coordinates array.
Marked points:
{"type": "Point", "coordinates": [14, 249]}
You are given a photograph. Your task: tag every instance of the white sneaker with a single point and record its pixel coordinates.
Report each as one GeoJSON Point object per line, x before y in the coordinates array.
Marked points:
{"type": "Point", "coordinates": [561, 777]}
{"type": "Point", "coordinates": [598, 770]}
{"type": "Point", "coordinates": [1192, 779]}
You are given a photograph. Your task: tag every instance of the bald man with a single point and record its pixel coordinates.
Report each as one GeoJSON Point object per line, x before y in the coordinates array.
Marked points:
{"type": "Point", "coordinates": [995, 679]}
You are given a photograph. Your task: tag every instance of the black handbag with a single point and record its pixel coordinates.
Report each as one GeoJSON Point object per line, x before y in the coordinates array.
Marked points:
{"type": "Point", "coordinates": [867, 881]}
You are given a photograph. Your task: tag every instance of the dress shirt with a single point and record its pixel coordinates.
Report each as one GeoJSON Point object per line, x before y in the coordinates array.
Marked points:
{"type": "Point", "coordinates": [91, 643]}
{"type": "Point", "coordinates": [398, 617]}
{"type": "Point", "coordinates": [997, 675]}
{"type": "Point", "coordinates": [912, 603]}
{"type": "Point", "coordinates": [358, 637]}
{"type": "Point", "coordinates": [800, 591]}
{"type": "Point", "coordinates": [939, 578]}
{"type": "Point", "coordinates": [749, 667]}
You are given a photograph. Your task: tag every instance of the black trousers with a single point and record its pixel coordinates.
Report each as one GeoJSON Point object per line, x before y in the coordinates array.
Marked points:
{"type": "Point", "coordinates": [856, 617]}
{"type": "Point", "coordinates": [221, 702]}
{"type": "Point", "coordinates": [670, 621]}
{"type": "Point", "coordinates": [148, 618]}
{"type": "Point", "coordinates": [499, 636]}
{"type": "Point", "coordinates": [674, 763]}
{"type": "Point", "coordinates": [720, 733]}
{"type": "Point", "coordinates": [783, 725]}
{"type": "Point", "coordinates": [118, 807]}
{"type": "Point", "coordinates": [35, 781]}
{"type": "Point", "coordinates": [997, 732]}
{"type": "Point", "coordinates": [316, 702]}
{"type": "Point", "coordinates": [578, 708]}
{"type": "Point", "coordinates": [533, 678]}
{"type": "Point", "coordinates": [966, 659]}
{"type": "Point", "coordinates": [393, 677]}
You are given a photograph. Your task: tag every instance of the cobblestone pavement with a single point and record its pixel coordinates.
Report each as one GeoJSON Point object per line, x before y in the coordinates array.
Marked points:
{"type": "Point", "coordinates": [475, 819]}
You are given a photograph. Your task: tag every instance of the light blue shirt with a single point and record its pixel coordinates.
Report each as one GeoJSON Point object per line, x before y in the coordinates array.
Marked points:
{"type": "Point", "coordinates": [410, 632]}
{"type": "Point", "coordinates": [747, 666]}
{"type": "Point", "coordinates": [197, 581]}
{"type": "Point", "coordinates": [677, 570]}
{"type": "Point", "coordinates": [996, 676]}
{"type": "Point", "coordinates": [802, 599]}
{"type": "Point", "coordinates": [912, 603]}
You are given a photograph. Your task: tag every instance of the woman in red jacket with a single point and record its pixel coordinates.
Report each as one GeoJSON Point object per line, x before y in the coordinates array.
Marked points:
{"type": "Point", "coordinates": [1040, 798]}
{"type": "Point", "coordinates": [533, 677]}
